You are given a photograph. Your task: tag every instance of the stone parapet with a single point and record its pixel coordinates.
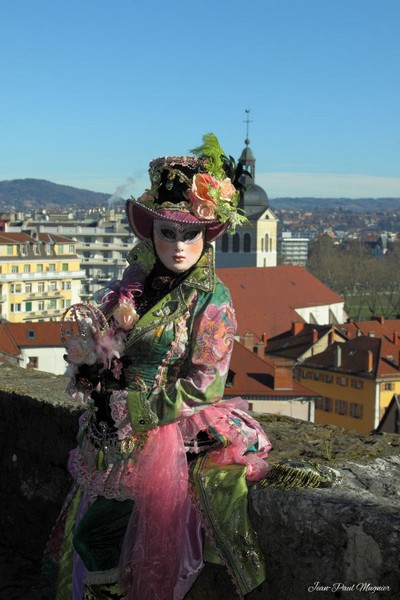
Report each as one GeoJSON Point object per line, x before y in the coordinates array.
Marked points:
{"type": "Point", "coordinates": [319, 543]}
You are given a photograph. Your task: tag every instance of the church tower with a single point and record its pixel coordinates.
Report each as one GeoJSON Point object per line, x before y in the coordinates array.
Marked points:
{"type": "Point", "coordinates": [255, 243]}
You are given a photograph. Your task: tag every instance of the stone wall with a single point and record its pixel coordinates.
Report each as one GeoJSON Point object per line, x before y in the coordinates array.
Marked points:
{"type": "Point", "coordinates": [341, 542]}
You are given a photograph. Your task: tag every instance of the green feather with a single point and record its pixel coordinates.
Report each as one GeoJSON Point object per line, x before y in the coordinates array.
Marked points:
{"type": "Point", "coordinates": [211, 151]}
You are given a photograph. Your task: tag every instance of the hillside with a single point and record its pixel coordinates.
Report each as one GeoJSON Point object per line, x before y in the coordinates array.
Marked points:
{"type": "Point", "coordinates": [351, 204]}
{"type": "Point", "coordinates": [27, 194]}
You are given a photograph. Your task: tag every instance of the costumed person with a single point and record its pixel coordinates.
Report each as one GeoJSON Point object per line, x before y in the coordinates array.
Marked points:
{"type": "Point", "coordinates": [162, 461]}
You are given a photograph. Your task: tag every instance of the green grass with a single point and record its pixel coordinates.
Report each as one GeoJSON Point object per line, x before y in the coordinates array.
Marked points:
{"type": "Point", "coordinates": [358, 309]}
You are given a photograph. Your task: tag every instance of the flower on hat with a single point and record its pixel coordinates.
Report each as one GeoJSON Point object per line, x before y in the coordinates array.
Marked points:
{"type": "Point", "coordinates": [212, 198]}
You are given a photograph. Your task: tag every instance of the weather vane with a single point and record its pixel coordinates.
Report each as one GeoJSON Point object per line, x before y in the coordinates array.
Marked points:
{"type": "Point", "coordinates": [247, 121]}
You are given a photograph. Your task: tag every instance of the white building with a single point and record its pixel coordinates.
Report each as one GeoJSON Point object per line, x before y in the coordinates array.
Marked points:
{"type": "Point", "coordinates": [292, 250]}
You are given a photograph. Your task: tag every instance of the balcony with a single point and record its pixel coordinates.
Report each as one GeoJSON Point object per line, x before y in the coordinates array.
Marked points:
{"type": "Point", "coordinates": [43, 276]}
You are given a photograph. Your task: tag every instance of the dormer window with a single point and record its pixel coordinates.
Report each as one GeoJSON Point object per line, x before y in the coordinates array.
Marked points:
{"type": "Point", "coordinates": [31, 334]}
{"type": "Point", "coordinates": [230, 379]}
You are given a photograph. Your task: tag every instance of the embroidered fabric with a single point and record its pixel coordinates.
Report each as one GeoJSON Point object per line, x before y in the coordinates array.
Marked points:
{"type": "Point", "coordinates": [245, 442]}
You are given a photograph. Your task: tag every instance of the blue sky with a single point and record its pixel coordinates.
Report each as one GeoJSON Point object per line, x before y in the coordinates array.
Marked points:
{"type": "Point", "coordinates": [92, 90]}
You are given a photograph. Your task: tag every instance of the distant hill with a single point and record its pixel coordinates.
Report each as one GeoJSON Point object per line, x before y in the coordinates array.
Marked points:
{"type": "Point", "coordinates": [28, 194]}
{"type": "Point", "coordinates": [351, 204]}
{"type": "Point", "coordinates": [25, 194]}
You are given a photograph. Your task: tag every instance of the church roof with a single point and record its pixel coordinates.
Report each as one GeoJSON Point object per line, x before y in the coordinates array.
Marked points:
{"type": "Point", "coordinates": [255, 198]}
{"type": "Point", "coordinates": [266, 298]}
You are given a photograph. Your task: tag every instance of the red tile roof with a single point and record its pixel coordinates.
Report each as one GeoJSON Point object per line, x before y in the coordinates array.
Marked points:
{"type": "Point", "coordinates": [380, 327]}
{"type": "Point", "coordinates": [354, 358]}
{"type": "Point", "coordinates": [265, 298]}
{"type": "Point", "coordinates": [293, 346]}
{"type": "Point", "coordinates": [254, 377]}
{"type": "Point", "coordinates": [14, 336]}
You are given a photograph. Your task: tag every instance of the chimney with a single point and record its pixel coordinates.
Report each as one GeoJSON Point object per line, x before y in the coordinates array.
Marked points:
{"type": "Point", "coordinates": [314, 336]}
{"type": "Point", "coordinates": [247, 340]}
{"type": "Point", "coordinates": [379, 318]}
{"type": "Point", "coordinates": [264, 339]}
{"type": "Point", "coordinates": [338, 356]}
{"type": "Point", "coordinates": [395, 338]}
{"type": "Point", "coordinates": [259, 349]}
{"type": "Point", "coordinates": [331, 335]}
{"type": "Point", "coordinates": [297, 327]}
{"type": "Point", "coordinates": [283, 374]}
{"type": "Point", "coordinates": [370, 361]}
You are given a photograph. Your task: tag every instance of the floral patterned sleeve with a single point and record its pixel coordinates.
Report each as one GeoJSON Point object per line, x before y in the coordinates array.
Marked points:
{"type": "Point", "coordinates": [202, 379]}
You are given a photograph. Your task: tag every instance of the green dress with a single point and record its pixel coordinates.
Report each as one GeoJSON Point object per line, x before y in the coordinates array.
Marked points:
{"type": "Point", "coordinates": [171, 465]}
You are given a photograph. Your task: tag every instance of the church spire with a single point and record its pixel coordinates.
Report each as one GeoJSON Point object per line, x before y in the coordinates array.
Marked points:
{"type": "Point", "coordinates": [247, 159]}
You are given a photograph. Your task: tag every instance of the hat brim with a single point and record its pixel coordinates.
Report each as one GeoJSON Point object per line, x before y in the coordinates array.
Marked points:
{"type": "Point", "coordinates": [141, 218]}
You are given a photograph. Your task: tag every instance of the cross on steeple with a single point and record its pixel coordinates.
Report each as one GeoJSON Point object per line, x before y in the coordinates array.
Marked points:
{"type": "Point", "coordinates": [247, 121]}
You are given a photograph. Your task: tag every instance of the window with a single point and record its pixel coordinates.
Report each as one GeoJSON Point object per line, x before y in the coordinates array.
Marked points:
{"type": "Point", "coordinates": [67, 285]}
{"type": "Point", "coordinates": [41, 286]}
{"type": "Point", "coordinates": [27, 268]}
{"type": "Point", "coordinates": [16, 308]}
{"type": "Point", "coordinates": [14, 269]}
{"type": "Point", "coordinates": [52, 267]}
{"type": "Point", "coordinates": [16, 288]}
{"type": "Point", "coordinates": [324, 404]}
{"type": "Point", "coordinates": [39, 268]}
{"type": "Point", "coordinates": [33, 362]}
{"type": "Point", "coordinates": [341, 407]}
{"type": "Point", "coordinates": [53, 303]}
{"type": "Point", "coordinates": [236, 243]}
{"type": "Point", "coordinates": [266, 244]}
{"type": "Point", "coordinates": [341, 381]}
{"type": "Point", "coordinates": [328, 378]}
{"type": "Point", "coordinates": [356, 410]}
{"type": "Point", "coordinates": [65, 266]}
{"type": "Point", "coordinates": [60, 249]}
{"type": "Point", "coordinates": [67, 303]}
{"type": "Point", "coordinates": [28, 306]}
{"type": "Point", "coordinates": [24, 250]}
{"type": "Point", "coordinates": [53, 286]}
{"type": "Point", "coordinates": [388, 387]}
{"type": "Point", "coordinates": [357, 384]}
{"type": "Point", "coordinates": [9, 250]}
{"type": "Point", "coordinates": [71, 249]}
{"type": "Point", "coordinates": [246, 242]}
{"type": "Point", "coordinates": [48, 249]}
{"type": "Point", "coordinates": [41, 305]}
{"type": "Point", "coordinates": [28, 288]}
{"type": "Point", "coordinates": [225, 243]}
{"type": "Point", "coordinates": [31, 334]}
{"type": "Point", "coordinates": [35, 248]}
{"type": "Point", "coordinates": [230, 379]}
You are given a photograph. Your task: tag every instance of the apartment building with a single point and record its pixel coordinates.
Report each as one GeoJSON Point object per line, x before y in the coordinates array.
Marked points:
{"type": "Point", "coordinates": [292, 250]}
{"type": "Point", "coordinates": [356, 380]}
{"type": "Point", "coordinates": [39, 276]}
{"type": "Point", "coordinates": [102, 244]}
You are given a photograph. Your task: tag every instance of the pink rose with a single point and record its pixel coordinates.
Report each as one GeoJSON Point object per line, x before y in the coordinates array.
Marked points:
{"type": "Point", "coordinates": [125, 315]}
{"type": "Point", "coordinates": [203, 211]}
{"type": "Point", "coordinates": [227, 189]}
{"type": "Point", "coordinates": [81, 351]}
{"type": "Point", "coordinates": [200, 190]}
